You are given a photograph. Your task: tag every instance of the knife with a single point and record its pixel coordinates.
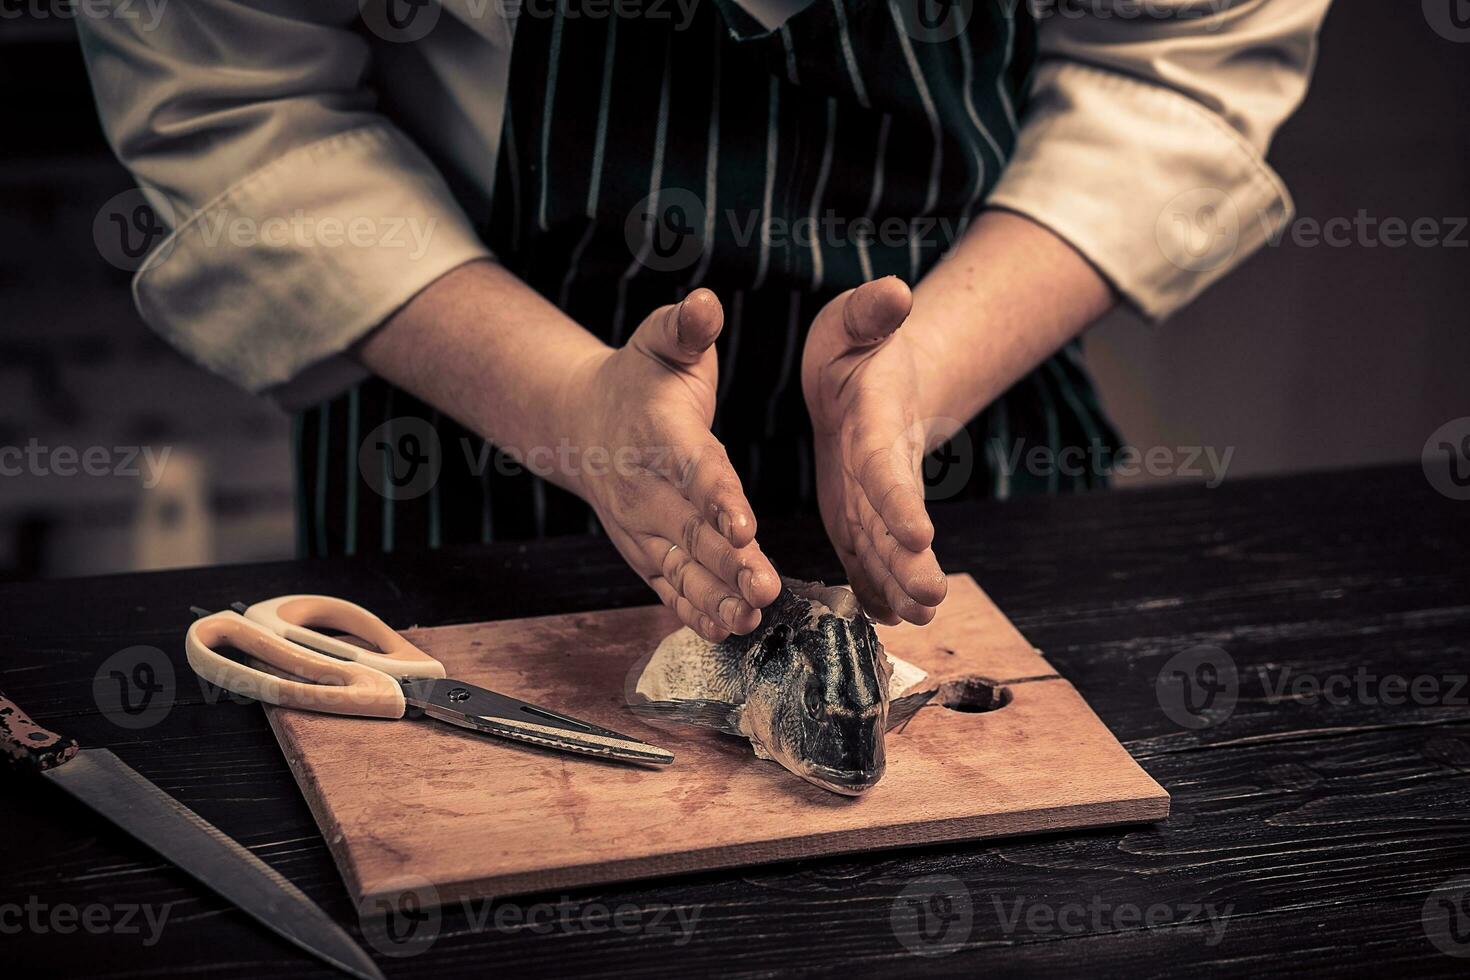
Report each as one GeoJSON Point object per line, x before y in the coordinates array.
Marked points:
{"type": "Point", "coordinates": [108, 785]}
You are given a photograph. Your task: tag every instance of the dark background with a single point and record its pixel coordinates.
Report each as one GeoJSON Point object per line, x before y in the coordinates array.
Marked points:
{"type": "Point", "coordinates": [1307, 357]}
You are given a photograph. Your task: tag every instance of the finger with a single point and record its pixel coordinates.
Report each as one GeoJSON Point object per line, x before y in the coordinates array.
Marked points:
{"type": "Point", "coordinates": [903, 605]}
{"type": "Point", "coordinates": [711, 485]}
{"type": "Point", "coordinates": [862, 582]}
{"type": "Point", "coordinates": [875, 310]}
{"type": "Point", "coordinates": [712, 597]}
{"type": "Point", "coordinates": [869, 594]}
{"type": "Point", "coordinates": [684, 609]}
{"type": "Point", "coordinates": [646, 560]}
{"type": "Point", "coordinates": [891, 487]}
{"type": "Point", "coordinates": [681, 332]}
{"type": "Point", "coordinates": [916, 573]}
{"type": "Point", "coordinates": [661, 510]}
{"type": "Point", "coordinates": [858, 319]}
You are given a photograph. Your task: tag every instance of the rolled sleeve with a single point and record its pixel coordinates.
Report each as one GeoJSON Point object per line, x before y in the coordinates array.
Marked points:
{"type": "Point", "coordinates": [273, 280]}
{"type": "Point", "coordinates": [1144, 143]}
{"type": "Point", "coordinates": [300, 217]}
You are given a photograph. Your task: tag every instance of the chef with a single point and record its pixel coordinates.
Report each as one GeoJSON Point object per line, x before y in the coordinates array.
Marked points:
{"type": "Point", "coordinates": [526, 269]}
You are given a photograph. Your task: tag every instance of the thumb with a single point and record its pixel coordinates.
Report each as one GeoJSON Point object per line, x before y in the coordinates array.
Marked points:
{"type": "Point", "coordinates": [682, 332]}
{"type": "Point", "coordinates": [860, 318]}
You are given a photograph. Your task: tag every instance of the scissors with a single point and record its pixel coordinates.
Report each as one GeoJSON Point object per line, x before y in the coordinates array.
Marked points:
{"type": "Point", "coordinates": [381, 681]}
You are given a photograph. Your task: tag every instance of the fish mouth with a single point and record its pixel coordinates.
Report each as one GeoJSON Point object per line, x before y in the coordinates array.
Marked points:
{"type": "Point", "coordinates": [848, 782]}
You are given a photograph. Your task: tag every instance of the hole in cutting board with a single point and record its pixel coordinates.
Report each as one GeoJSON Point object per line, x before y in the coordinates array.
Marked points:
{"type": "Point", "coordinates": [972, 695]}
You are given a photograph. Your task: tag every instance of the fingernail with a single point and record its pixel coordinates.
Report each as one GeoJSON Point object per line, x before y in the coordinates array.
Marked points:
{"type": "Point", "coordinates": [729, 610]}
{"type": "Point", "coordinates": [746, 580]}
{"type": "Point", "coordinates": [724, 522]}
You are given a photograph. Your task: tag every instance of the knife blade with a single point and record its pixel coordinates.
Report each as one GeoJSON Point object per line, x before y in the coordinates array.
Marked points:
{"type": "Point", "coordinates": [109, 786]}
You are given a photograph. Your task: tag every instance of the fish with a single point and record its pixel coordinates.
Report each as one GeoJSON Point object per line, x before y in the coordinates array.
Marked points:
{"type": "Point", "coordinates": [811, 688]}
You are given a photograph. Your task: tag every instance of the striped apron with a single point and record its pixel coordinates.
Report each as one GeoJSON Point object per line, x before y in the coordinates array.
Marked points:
{"type": "Point", "coordinates": [645, 156]}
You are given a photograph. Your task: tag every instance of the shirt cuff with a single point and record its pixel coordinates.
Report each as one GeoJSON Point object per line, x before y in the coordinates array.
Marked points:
{"type": "Point", "coordinates": [1161, 195]}
{"type": "Point", "coordinates": [275, 278]}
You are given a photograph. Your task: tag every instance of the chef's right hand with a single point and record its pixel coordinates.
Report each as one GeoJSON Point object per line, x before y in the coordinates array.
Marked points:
{"type": "Point", "coordinates": [668, 496]}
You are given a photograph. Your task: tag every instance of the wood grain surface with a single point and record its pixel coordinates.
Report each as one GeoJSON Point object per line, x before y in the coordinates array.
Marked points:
{"type": "Point", "coordinates": [475, 817]}
{"type": "Point", "coordinates": [1318, 831]}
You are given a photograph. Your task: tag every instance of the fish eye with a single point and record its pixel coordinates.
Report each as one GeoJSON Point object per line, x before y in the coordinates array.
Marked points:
{"type": "Point", "coordinates": [812, 700]}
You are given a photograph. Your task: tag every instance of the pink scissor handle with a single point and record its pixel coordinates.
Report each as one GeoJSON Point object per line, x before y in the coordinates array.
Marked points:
{"type": "Point", "coordinates": [292, 616]}
{"type": "Point", "coordinates": [340, 687]}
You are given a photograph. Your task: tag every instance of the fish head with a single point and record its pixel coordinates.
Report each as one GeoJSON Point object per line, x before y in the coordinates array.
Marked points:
{"type": "Point", "coordinates": [820, 706]}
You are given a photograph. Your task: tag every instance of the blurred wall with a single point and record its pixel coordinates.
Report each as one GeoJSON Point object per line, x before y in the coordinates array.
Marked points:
{"type": "Point", "coordinates": [1316, 356]}
{"type": "Point", "coordinates": [1309, 356]}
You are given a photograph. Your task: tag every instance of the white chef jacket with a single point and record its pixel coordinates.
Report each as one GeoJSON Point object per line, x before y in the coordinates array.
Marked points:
{"type": "Point", "coordinates": [1147, 128]}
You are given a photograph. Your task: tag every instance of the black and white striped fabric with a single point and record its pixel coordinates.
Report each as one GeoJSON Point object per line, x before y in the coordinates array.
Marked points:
{"type": "Point", "coordinates": [643, 157]}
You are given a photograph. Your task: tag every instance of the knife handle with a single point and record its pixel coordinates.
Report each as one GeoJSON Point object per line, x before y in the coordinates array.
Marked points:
{"type": "Point", "coordinates": [26, 744]}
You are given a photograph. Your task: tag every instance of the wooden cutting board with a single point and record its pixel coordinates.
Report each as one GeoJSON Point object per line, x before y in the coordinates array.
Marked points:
{"type": "Point", "coordinates": [402, 803]}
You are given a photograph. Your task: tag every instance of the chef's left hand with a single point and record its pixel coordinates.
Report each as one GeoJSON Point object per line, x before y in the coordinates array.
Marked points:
{"type": "Point", "coordinates": [861, 381]}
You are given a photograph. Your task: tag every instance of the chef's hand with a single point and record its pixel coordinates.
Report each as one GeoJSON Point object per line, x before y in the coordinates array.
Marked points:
{"type": "Point", "coordinates": [861, 380]}
{"type": "Point", "coordinates": [669, 498]}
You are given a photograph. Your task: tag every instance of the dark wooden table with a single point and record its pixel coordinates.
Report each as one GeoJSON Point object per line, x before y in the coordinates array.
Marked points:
{"type": "Point", "coordinates": [1309, 834]}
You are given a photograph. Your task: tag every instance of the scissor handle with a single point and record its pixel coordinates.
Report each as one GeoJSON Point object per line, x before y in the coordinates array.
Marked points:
{"type": "Point", "coordinates": [292, 617]}
{"type": "Point", "coordinates": [341, 688]}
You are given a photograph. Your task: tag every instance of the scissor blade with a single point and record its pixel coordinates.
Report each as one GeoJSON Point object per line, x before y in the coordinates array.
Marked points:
{"type": "Point", "coordinates": [473, 707]}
